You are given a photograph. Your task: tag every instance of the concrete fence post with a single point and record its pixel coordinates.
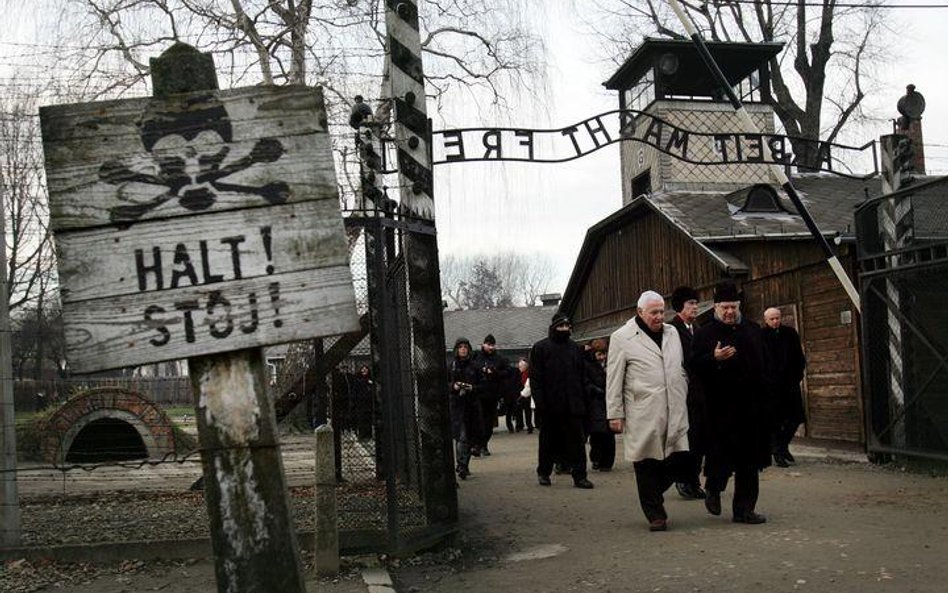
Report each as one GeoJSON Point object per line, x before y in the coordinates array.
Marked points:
{"type": "Point", "coordinates": [327, 524]}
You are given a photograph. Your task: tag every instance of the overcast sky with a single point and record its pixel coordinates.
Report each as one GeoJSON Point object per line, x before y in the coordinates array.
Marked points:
{"type": "Point", "coordinates": [548, 208]}
{"type": "Point", "coordinates": [534, 208]}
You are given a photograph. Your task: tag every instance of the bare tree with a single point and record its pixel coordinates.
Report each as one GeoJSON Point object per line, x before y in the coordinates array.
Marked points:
{"type": "Point", "coordinates": [484, 50]}
{"type": "Point", "coordinates": [39, 343]}
{"type": "Point", "coordinates": [23, 195]}
{"type": "Point", "coordinates": [501, 279]}
{"type": "Point", "coordinates": [829, 45]}
{"type": "Point", "coordinates": [454, 276]}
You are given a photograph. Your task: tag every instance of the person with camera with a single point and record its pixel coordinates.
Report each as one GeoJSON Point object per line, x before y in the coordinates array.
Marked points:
{"type": "Point", "coordinates": [465, 410]}
{"type": "Point", "coordinates": [493, 369]}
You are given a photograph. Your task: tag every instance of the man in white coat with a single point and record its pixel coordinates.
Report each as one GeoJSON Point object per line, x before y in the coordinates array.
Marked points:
{"type": "Point", "coordinates": [646, 400]}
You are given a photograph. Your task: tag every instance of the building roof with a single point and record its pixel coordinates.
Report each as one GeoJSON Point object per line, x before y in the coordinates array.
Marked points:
{"type": "Point", "coordinates": [711, 218]}
{"type": "Point", "coordinates": [514, 328]}
{"type": "Point", "coordinates": [736, 60]}
{"type": "Point", "coordinates": [718, 216]}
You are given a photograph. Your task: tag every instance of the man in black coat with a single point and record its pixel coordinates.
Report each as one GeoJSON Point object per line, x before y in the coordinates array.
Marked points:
{"type": "Point", "coordinates": [685, 303]}
{"type": "Point", "coordinates": [556, 381]}
{"type": "Point", "coordinates": [784, 366]}
{"type": "Point", "coordinates": [726, 359]}
{"type": "Point", "coordinates": [493, 369]}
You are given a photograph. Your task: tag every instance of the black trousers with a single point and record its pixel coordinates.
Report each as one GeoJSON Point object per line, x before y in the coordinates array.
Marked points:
{"type": "Point", "coordinates": [488, 413]}
{"type": "Point", "coordinates": [692, 472]}
{"type": "Point", "coordinates": [746, 485]}
{"type": "Point", "coordinates": [562, 440]}
{"type": "Point", "coordinates": [782, 435]}
{"type": "Point", "coordinates": [652, 478]}
{"type": "Point", "coordinates": [602, 449]}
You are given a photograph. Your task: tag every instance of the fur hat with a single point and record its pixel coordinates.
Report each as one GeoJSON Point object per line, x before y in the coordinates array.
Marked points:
{"type": "Point", "coordinates": [726, 292]}
{"type": "Point", "coordinates": [682, 295]}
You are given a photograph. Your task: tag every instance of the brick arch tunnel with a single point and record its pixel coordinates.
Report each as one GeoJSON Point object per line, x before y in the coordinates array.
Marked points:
{"type": "Point", "coordinates": [107, 424]}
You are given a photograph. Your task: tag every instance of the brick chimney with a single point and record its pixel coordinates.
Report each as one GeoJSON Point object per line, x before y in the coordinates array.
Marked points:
{"type": "Point", "coordinates": [551, 299]}
{"type": "Point", "coordinates": [909, 124]}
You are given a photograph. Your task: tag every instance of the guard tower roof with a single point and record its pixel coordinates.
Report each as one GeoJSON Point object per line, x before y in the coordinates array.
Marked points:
{"type": "Point", "coordinates": [736, 60]}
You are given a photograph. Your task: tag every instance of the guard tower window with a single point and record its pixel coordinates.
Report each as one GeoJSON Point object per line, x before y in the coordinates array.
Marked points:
{"type": "Point", "coordinates": [642, 184]}
{"type": "Point", "coordinates": [641, 94]}
{"type": "Point", "coordinates": [762, 199]}
{"type": "Point", "coordinates": [749, 88]}
{"type": "Point", "coordinates": [672, 69]}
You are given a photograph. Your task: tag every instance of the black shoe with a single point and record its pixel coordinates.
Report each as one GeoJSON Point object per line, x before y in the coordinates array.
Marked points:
{"type": "Point", "coordinates": [530, 430]}
{"type": "Point", "coordinates": [750, 518]}
{"type": "Point", "coordinates": [584, 484]}
{"type": "Point", "coordinates": [485, 452]}
{"type": "Point", "coordinates": [595, 465]}
{"type": "Point", "coordinates": [658, 525]}
{"type": "Point", "coordinates": [544, 480]}
{"type": "Point", "coordinates": [788, 456]}
{"type": "Point", "coordinates": [463, 473]}
{"type": "Point", "coordinates": [713, 502]}
{"type": "Point", "coordinates": [605, 469]}
{"type": "Point", "coordinates": [780, 460]}
{"type": "Point", "coordinates": [690, 491]}
{"type": "Point", "coordinates": [475, 452]}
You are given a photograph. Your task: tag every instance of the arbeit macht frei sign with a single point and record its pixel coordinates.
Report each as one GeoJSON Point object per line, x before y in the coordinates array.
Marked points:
{"type": "Point", "coordinates": [700, 148]}
{"type": "Point", "coordinates": [195, 224]}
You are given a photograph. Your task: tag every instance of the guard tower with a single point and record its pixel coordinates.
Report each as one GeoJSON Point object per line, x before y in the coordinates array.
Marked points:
{"type": "Point", "coordinates": [666, 78]}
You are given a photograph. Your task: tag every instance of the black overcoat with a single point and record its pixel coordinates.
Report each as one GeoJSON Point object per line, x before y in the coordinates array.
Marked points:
{"type": "Point", "coordinates": [597, 420]}
{"type": "Point", "coordinates": [784, 364]}
{"type": "Point", "coordinates": [464, 406]}
{"type": "Point", "coordinates": [736, 401]}
{"type": "Point", "coordinates": [697, 431]}
{"type": "Point", "coordinates": [557, 370]}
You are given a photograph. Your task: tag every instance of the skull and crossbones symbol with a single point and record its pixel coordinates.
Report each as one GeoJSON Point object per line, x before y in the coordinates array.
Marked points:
{"type": "Point", "coordinates": [189, 147]}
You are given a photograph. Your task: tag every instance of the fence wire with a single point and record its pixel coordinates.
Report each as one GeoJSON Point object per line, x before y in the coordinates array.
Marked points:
{"type": "Point", "coordinates": [119, 460]}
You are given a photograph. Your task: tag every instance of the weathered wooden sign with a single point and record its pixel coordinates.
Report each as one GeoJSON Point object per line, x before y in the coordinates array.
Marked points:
{"type": "Point", "coordinates": [196, 224]}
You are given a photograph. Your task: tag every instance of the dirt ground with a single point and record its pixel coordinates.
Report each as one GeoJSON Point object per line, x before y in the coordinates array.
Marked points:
{"type": "Point", "coordinates": [834, 524]}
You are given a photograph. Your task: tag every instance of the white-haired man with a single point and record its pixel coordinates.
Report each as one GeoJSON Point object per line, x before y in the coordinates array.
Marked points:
{"type": "Point", "coordinates": [646, 400]}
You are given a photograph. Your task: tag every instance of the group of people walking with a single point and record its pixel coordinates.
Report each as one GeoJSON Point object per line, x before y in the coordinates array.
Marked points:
{"type": "Point", "coordinates": [722, 399]}
{"type": "Point", "coordinates": [482, 385]}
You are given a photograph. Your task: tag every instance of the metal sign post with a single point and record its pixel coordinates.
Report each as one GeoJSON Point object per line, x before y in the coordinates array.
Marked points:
{"type": "Point", "coordinates": [10, 531]}
{"type": "Point", "coordinates": [205, 224]}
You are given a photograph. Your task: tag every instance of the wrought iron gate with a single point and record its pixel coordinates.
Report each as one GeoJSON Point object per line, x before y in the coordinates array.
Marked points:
{"type": "Point", "coordinates": [902, 241]}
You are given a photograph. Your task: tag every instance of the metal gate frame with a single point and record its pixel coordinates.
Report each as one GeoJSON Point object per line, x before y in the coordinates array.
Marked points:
{"type": "Point", "coordinates": [899, 429]}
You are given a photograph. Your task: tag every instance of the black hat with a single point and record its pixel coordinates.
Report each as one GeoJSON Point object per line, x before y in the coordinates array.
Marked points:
{"type": "Point", "coordinates": [682, 295]}
{"type": "Point", "coordinates": [560, 319]}
{"type": "Point", "coordinates": [726, 292]}
{"type": "Point", "coordinates": [489, 339]}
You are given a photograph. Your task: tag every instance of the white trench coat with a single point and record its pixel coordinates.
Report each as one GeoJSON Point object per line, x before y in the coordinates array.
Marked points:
{"type": "Point", "coordinates": [648, 388]}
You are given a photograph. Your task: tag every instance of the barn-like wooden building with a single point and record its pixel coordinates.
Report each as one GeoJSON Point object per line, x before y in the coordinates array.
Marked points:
{"type": "Point", "coordinates": [687, 224]}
